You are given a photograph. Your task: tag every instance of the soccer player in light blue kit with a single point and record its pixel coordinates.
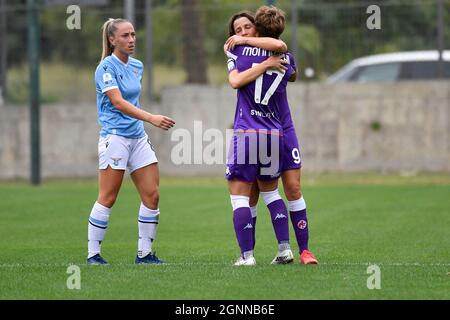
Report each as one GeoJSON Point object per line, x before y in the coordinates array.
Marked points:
{"type": "Point", "coordinates": [123, 143]}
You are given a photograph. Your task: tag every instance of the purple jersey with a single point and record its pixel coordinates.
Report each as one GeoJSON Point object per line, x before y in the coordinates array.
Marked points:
{"type": "Point", "coordinates": [286, 118]}
{"type": "Point", "coordinates": [261, 104]}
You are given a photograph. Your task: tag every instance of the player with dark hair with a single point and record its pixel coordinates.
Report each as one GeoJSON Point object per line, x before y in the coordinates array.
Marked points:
{"type": "Point", "coordinates": [256, 123]}
{"type": "Point", "coordinates": [270, 22]}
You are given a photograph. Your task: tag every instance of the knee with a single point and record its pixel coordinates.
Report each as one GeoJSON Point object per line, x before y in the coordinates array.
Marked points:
{"type": "Point", "coordinates": [107, 200]}
{"type": "Point", "coordinates": [151, 198]}
{"type": "Point", "coordinates": [292, 191]}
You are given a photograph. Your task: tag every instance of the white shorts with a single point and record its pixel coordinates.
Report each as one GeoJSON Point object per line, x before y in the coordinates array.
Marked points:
{"type": "Point", "coordinates": [122, 153]}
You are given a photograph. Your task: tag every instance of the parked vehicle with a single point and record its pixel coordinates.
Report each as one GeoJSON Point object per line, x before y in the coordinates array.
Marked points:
{"type": "Point", "coordinates": [399, 66]}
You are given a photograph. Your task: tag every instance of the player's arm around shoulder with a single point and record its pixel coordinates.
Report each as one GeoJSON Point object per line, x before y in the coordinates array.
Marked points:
{"type": "Point", "coordinates": [266, 43]}
{"type": "Point", "coordinates": [239, 79]}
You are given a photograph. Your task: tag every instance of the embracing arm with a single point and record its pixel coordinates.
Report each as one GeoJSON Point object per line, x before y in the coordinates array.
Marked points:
{"type": "Point", "coordinates": [267, 43]}
{"type": "Point", "coordinates": [127, 108]}
{"type": "Point", "coordinates": [239, 79]}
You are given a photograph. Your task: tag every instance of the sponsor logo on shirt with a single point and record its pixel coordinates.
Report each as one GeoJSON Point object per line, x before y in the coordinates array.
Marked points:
{"type": "Point", "coordinates": [261, 114]}
{"type": "Point", "coordinates": [254, 52]}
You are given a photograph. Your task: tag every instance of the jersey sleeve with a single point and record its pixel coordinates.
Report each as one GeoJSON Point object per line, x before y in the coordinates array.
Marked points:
{"type": "Point", "coordinates": [291, 61]}
{"type": "Point", "coordinates": [231, 62]}
{"type": "Point", "coordinates": [105, 78]}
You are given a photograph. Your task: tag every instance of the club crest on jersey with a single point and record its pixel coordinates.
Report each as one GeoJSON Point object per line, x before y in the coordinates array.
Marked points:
{"type": "Point", "coordinates": [301, 224]}
{"type": "Point", "coordinates": [227, 171]}
{"type": "Point", "coordinates": [116, 161]}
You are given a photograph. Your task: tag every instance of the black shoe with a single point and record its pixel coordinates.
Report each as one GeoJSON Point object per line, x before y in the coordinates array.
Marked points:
{"type": "Point", "coordinates": [96, 260]}
{"type": "Point", "coordinates": [151, 258]}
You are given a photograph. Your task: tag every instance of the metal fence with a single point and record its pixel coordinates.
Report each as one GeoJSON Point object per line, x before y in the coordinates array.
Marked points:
{"type": "Point", "coordinates": [327, 35]}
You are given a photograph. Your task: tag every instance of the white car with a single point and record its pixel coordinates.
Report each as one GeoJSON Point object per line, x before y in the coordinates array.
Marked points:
{"type": "Point", "coordinates": [413, 65]}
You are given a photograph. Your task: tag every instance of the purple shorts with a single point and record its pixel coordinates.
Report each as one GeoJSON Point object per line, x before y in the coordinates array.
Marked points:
{"type": "Point", "coordinates": [256, 155]}
{"type": "Point", "coordinates": [291, 158]}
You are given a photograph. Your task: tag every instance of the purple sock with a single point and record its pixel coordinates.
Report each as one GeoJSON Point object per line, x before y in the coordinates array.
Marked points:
{"type": "Point", "coordinates": [280, 222]}
{"type": "Point", "coordinates": [300, 224]}
{"type": "Point", "coordinates": [254, 232]}
{"type": "Point", "coordinates": [243, 226]}
{"type": "Point", "coordinates": [254, 210]}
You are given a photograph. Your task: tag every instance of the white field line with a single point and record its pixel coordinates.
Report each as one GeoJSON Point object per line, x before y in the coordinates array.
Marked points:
{"type": "Point", "coordinates": [226, 264]}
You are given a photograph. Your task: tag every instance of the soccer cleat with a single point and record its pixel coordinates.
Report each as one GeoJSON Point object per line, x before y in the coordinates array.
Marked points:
{"type": "Point", "coordinates": [96, 260]}
{"type": "Point", "coordinates": [307, 257]}
{"type": "Point", "coordinates": [250, 261]}
{"type": "Point", "coordinates": [283, 257]}
{"type": "Point", "coordinates": [151, 258]}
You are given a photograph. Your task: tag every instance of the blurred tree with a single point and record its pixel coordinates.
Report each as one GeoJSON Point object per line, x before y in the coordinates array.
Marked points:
{"type": "Point", "coordinates": [194, 55]}
{"type": "Point", "coordinates": [192, 32]}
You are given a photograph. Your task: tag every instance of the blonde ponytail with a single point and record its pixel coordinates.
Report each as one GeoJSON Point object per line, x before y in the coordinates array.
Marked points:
{"type": "Point", "coordinates": [108, 30]}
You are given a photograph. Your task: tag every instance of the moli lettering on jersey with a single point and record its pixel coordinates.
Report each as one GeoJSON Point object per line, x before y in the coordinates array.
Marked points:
{"type": "Point", "coordinates": [253, 52]}
{"type": "Point", "coordinates": [262, 114]}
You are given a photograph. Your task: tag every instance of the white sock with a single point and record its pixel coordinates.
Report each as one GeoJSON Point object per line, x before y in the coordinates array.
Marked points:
{"type": "Point", "coordinates": [248, 254]}
{"type": "Point", "coordinates": [270, 196]}
{"type": "Point", "coordinates": [98, 222]}
{"type": "Point", "coordinates": [239, 202]}
{"type": "Point", "coordinates": [147, 223]}
{"type": "Point", "coordinates": [297, 205]}
{"type": "Point", "coordinates": [254, 212]}
{"type": "Point", "coordinates": [283, 246]}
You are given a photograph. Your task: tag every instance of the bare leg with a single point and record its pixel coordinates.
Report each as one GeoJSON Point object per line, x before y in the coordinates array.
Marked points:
{"type": "Point", "coordinates": [109, 182]}
{"type": "Point", "coordinates": [146, 180]}
{"type": "Point", "coordinates": [292, 184]}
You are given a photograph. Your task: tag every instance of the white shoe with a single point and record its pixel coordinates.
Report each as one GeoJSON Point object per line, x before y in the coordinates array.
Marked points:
{"type": "Point", "coordinates": [283, 257]}
{"type": "Point", "coordinates": [250, 261]}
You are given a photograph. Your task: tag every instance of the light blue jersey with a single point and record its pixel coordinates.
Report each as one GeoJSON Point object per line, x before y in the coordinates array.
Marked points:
{"type": "Point", "coordinates": [112, 73]}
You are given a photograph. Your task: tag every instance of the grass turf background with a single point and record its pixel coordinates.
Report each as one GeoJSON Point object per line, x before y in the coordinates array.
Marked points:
{"type": "Point", "coordinates": [402, 224]}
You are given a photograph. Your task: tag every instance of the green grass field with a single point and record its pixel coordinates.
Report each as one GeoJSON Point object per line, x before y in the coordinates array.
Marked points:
{"type": "Point", "coordinates": [402, 224]}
